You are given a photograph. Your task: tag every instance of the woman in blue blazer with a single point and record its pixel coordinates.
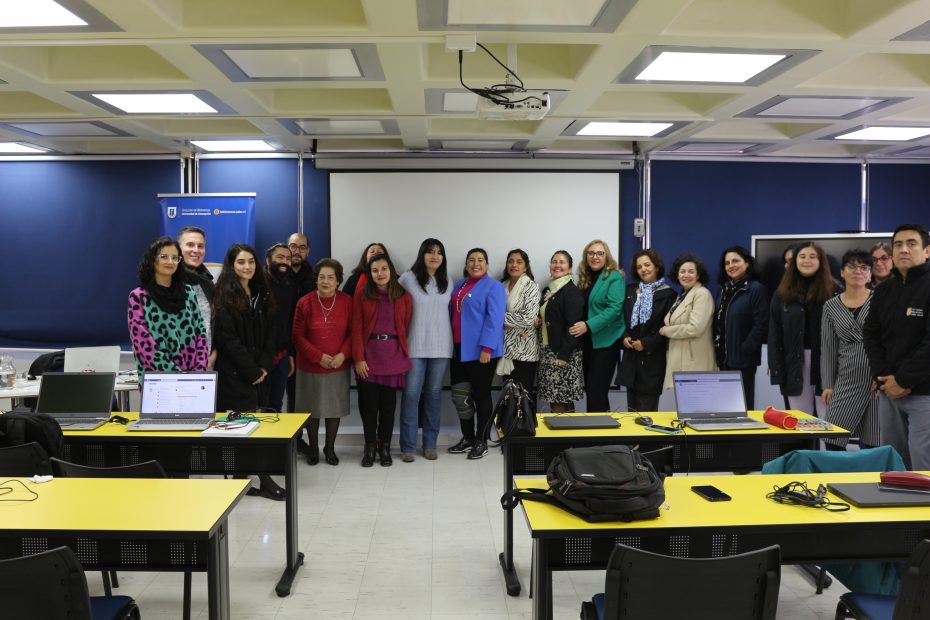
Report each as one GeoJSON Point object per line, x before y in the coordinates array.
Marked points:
{"type": "Point", "coordinates": [602, 283]}
{"type": "Point", "coordinates": [477, 312]}
{"type": "Point", "coordinates": [742, 318]}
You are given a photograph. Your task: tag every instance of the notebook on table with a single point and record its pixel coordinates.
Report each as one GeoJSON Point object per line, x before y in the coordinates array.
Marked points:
{"type": "Point", "coordinates": [576, 422]}
{"type": "Point", "coordinates": [79, 401]}
{"type": "Point", "coordinates": [712, 401]}
{"type": "Point", "coordinates": [176, 401]}
{"type": "Point", "coordinates": [872, 495]}
{"type": "Point", "coordinates": [92, 359]}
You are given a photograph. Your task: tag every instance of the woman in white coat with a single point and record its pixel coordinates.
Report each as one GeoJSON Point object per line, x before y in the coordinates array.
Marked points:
{"type": "Point", "coordinates": [688, 325]}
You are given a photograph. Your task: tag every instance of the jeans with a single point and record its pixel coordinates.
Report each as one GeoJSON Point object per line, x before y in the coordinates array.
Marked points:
{"type": "Point", "coordinates": [277, 381]}
{"type": "Point", "coordinates": [905, 426]}
{"type": "Point", "coordinates": [425, 376]}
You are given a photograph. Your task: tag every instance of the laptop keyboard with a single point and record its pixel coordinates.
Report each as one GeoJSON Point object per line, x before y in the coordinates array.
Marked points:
{"type": "Point", "coordinates": [66, 421]}
{"type": "Point", "coordinates": [170, 422]}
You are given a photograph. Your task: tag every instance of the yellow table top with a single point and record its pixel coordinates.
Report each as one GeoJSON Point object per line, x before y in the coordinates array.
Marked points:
{"type": "Point", "coordinates": [119, 504]}
{"type": "Point", "coordinates": [285, 428]}
{"type": "Point", "coordinates": [749, 506]}
{"type": "Point", "coordinates": [629, 428]}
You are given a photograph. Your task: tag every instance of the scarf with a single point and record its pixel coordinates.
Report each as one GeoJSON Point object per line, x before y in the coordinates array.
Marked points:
{"type": "Point", "coordinates": [551, 289]}
{"type": "Point", "coordinates": [170, 299]}
{"type": "Point", "coordinates": [505, 363]}
{"type": "Point", "coordinates": [199, 277]}
{"type": "Point", "coordinates": [730, 290]}
{"type": "Point", "coordinates": [642, 309]}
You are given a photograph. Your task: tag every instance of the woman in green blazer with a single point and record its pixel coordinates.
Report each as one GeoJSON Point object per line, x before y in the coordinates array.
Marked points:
{"type": "Point", "coordinates": [604, 287]}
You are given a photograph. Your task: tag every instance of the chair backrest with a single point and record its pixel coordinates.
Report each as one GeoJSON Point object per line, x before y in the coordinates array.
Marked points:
{"type": "Point", "coordinates": [146, 469]}
{"type": "Point", "coordinates": [913, 602]}
{"type": "Point", "coordinates": [883, 458]}
{"type": "Point", "coordinates": [641, 584]}
{"type": "Point", "coordinates": [24, 460]}
{"type": "Point", "coordinates": [48, 585]}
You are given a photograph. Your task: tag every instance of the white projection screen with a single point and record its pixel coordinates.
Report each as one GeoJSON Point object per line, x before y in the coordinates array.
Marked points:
{"type": "Point", "coordinates": [540, 212]}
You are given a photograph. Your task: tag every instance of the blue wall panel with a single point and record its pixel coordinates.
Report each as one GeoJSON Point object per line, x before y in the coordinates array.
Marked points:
{"type": "Point", "coordinates": [629, 209]}
{"type": "Point", "coordinates": [73, 234]}
{"type": "Point", "coordinates": [898, 194]}
{"type": "Point", "coordinates": [704, 207]}
{"type": "Point", "coordinates": [316, 213]}
{"type": "Point", "coordinates": [275, 184]}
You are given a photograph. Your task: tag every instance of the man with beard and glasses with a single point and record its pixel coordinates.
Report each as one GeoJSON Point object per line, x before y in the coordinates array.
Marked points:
{"type": "Point", "coordinates": [284, 290]}
{"type": "Point", "coordinates": [301, 269]}
{"type": "Point", "coordinates": [193, 242]}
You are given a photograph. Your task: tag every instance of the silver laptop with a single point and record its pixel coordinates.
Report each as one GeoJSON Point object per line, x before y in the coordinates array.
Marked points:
{"type": "Point", "coordinates": [79, 401]}
{"type": "Point", "coordinates": [176, 401]}
{"type": "Point", "coordinates": [712, 401]}
{"type": "Point", "coordinates": [92, 359]}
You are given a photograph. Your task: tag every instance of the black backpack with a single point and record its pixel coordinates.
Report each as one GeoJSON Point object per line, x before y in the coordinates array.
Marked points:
{"type": "Point", "coordinates": [21, 427]}
{"type": "Point", "coordinates": [599, 483]}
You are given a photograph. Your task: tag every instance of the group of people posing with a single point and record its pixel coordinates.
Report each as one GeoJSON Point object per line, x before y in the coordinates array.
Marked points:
{"type": "Point", "coordinates": [584, 331]}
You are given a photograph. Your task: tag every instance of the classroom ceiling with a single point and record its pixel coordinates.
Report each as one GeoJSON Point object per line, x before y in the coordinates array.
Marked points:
{"type": "Point", "coordinates": [374, 77]}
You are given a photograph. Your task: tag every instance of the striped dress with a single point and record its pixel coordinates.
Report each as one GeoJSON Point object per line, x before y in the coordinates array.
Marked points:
{"type": "Point", "coordinates": [844, 367]}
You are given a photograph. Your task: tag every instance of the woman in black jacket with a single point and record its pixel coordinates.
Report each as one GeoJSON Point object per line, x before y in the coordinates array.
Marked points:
{"type": "Point", "coordinates": [795, 327]}
{"type": "Point", "coordinates": [560, 378]}
{"type": "Point", "coordinates": [642, 369]}
{"type": "Point", "coordinates": [243, 336]}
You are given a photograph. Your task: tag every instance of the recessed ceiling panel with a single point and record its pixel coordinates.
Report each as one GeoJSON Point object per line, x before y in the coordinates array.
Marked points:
{"type": "Point", "coordinates": [341, 127]}
{"type": "Point", "coordinates": [479, 145]}
{"type": "Point", "coordinates": [819, 107]}
{"type": "Point", "coordinates": [58, 129]}
{"type": "Point", "coordinates": [281, 63]}
{"type": "Point", "coordinates": [151, 102]}
{"type": "Point", "coordinates": [523, 15]}
{"type": "Point", "coordinates": [52, 16]}
{"type": "Point", "coordinates": [712, 148]}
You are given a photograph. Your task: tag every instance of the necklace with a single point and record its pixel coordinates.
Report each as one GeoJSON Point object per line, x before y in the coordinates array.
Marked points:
{"type": "Point", "coordinates": [326, 311]}
{"type": "Point", "coordinates": [459, 295]}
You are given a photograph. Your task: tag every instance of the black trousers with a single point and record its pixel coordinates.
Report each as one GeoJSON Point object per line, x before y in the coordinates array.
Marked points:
{"type": "Point", "coordinates": [480, 377]}
{"type": "Point", "coordinates": [600, 366]}
{"type": "Point", "coordinates": [641, 402]}
{"type": "Point", "coordinates": [376, 404]}
{"type": "Point", "coordinates": [749, 385]}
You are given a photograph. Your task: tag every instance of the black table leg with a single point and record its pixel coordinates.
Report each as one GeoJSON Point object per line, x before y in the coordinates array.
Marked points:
{"type": "Point", "coordinates": [294, 557]}
{"type": "Point", "coordinates": [542, 581]}
{"type": "Point", "coordinates": [218, 574]}
{"type": "Point", "coordinates": [506, 558]}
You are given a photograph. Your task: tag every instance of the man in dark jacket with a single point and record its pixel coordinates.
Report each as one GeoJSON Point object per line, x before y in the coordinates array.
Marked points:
{"type": "Point", "coordinates": [284, 289]}
{"type": "Point", "coordinates": [897, 340]}
{"type": "Point", "coordinates": [193, 242]}
{"type": "Point", "coordinates": [303, 272]}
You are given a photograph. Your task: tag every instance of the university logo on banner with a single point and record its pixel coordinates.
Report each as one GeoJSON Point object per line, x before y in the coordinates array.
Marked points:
{"type": "Point", "coordinates": [225, 218]}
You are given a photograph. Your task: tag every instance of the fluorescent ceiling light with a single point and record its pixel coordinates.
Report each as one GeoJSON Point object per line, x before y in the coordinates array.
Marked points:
{"type": "Point", "coordinates": [638, 130]}
{"type": "Point", "coordinates": [891, 134]}
{"type": "Point", "coordinates": [229, 146]}
{"type": "Point", "coordinates": [15, 147]}
{"type": "Point", "coordinates": [707, 67]}
{"type": "Point", "coordinates": [36, 14]}
{"type": "Point", "coordinates": [156, 103]}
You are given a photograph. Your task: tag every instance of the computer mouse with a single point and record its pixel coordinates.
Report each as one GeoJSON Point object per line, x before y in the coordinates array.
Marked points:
{"type": "Point", "coordinates": [644, 420]}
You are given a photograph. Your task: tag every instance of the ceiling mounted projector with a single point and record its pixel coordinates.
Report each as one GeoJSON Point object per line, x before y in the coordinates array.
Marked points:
{"type": "Point", "coordinates": [520, 105]}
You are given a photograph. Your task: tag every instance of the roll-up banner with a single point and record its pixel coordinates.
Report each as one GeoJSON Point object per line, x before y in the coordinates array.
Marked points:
{"type": "Point", "coordinates": [225, 218]}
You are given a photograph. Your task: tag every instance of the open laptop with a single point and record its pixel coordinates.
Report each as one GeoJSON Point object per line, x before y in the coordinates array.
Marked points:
{"type": "Point", "coordinates": [92, 359]}
{"type": "Point", "coordinates": [712, 401]}
{"type": "Point", "coordinates": [79, 401]}
{"type": "Point", "coordinates": [577, 422]}
{"type": "Point", "coordinates": [176, 401]}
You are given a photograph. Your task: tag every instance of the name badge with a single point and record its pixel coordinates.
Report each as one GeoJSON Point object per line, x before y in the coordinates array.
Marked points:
{"type": "Point", "coordinates": [914, 312]}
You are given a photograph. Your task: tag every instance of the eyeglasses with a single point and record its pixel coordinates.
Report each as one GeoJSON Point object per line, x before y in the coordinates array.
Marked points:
{"type": "Point", "coordinates": [884, 259]}
{"type": "Point", "coordinates": [600, 254]}
{"type": "Point", "coordinates": [858, 267]}
{"type": "Point", "coordinates": [174, 258]}
{"type": "Point", "coordinates": [294, 246]}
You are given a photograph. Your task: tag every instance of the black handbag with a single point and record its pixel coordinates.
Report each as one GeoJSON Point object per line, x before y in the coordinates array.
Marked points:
{"type": "Point", "coordinates": [514, 415]}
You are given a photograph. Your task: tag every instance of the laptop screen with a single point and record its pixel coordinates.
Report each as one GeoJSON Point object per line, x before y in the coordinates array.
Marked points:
{"type": "Point", "coordinates": [180, 395]}
{"type": "Point", "coordinates": [82, 393]}
{"type": "Point", "coordinates": [709, 394]}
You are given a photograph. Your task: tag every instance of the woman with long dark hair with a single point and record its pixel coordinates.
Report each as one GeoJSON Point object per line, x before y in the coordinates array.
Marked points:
{"type": "Point", "coordinates": [380, 318]}
{"type": "Point", "coordinates": [430, 341]}
{"type": "Point", "coordinates": [521, 341]}
{"type": "Point", "coordinates": [165, 325]}
{"type": "Point", "coordinates": [642, 369]}
{"type": "Point", "coordinates": [741, 319]}
{"type": "Point", "coordinates": [243, 336]}
{"type": "Point", "coordinates": [356, 279]}
{"type": "Point", "coordinates": [477, 313]}
{"type": "Point", "coordinates": [794, 328]}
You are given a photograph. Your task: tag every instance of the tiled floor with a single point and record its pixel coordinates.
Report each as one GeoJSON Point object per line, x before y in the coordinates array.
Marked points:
{"type": "Point", "coordinates": [414, 541]}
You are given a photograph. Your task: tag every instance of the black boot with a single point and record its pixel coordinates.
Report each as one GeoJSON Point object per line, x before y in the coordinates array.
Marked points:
{"type": "Point", "coordinates": [368, 457]}
{"type": "Point", "coordinates": [385, 455]}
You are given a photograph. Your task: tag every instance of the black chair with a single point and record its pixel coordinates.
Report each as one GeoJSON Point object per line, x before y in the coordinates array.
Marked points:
{"type": "Point", "coordinates": [51, 586]}
{"type": "Point", "coordinates": [912, 602]}
{"type": "Point", "coordinates": [146, 469]}
{"type": "Point", "coordinates": [646, 585]}
{"type": "Point", "coordinates": [24, 460]}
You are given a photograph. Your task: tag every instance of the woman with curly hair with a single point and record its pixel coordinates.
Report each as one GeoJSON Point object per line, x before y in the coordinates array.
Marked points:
{"type": "Point", "coordinates": [165, 325]}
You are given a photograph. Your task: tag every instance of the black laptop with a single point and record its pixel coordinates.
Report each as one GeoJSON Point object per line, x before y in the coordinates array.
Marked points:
{"type": "Point", "coordinates": [872, 495]}
{"type": "Point", "coordinates": [79, 401]}
{"type": "Point", "coordinates": [579, 422]}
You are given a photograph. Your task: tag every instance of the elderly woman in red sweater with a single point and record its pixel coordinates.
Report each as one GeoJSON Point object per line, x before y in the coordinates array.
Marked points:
{"type": "Point", "coordinates": [380, 316]}
{"type": "Point", "coordinates": [322, 340]}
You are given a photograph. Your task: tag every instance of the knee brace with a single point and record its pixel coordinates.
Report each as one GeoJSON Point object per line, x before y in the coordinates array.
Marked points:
{"type": "Point", "coordinates": [463, 401]}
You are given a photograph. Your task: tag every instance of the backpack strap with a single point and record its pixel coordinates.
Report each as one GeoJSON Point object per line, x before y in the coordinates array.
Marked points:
{"type": "Point", "coordinates": [510, 499]}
